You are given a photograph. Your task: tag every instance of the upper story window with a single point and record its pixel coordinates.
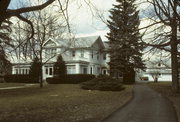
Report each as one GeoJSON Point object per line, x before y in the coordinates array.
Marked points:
{"type": "Point", "coordinates": [73, 53]}
{"type": "Point", "coordinates": [92, 54]}
{"type": "Point", "coordinates": [82, 53]}
{"type": "Point", "coordinates": [50, 53]}
{"type": "Point", "coordinates": [104, 56]}
{"type": "Point", "coordinates": [97, 55]}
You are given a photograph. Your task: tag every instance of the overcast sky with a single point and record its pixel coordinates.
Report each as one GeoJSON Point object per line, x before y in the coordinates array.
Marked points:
{"type": "Point", "coordinates": [81, 19]}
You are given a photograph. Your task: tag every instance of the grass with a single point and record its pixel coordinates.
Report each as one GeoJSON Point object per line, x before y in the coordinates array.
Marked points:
{"type": "Point", "coordinates": [59, 103]}
{"type": "Point", "coordinates": [165, 89]}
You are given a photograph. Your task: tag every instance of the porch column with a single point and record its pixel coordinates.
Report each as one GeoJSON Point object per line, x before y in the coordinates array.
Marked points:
{"type": "Point", "coordinates": [78, 69]}
{"type": "Point", "coordinates": [13, 70]}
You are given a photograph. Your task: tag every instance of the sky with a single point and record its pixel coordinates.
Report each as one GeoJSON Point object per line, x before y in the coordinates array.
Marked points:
{"type": "Point", "coordinates": [85, 22]}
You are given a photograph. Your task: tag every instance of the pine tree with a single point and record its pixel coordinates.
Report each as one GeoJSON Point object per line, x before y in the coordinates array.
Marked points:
{"type": "Point", "coordinates": [124, 39]}
{"type": "Point", "coordinates": [60, 67]}
{"type": "Point", "coordinates": [35, 69]}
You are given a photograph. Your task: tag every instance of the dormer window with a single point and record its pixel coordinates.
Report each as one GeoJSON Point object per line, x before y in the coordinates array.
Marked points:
{"type": "Point", "coordinates": [73, 53]}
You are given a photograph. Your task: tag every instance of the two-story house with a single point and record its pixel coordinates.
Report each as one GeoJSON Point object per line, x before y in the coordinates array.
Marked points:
{"type": "Point", "coordinates": [84, 55]}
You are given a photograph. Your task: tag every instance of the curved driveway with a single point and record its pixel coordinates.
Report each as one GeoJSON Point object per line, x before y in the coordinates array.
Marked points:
{"type": "Point", "coordinates": [147, 106]}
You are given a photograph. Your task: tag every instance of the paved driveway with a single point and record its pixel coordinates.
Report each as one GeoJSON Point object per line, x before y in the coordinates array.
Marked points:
{"type": "Point", "coordinates": [18, 87]}
{"type": "Point", "coordinates": [147, 106]}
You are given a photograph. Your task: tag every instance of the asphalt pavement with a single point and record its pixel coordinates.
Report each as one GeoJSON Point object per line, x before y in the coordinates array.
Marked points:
{"type": "Point", "coordinates": [146, 106]}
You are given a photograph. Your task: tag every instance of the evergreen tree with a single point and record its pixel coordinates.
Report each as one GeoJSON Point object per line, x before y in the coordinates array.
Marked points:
{"type": "Point", "coordinates": [35, 69]}
{"type": "Point", "coordinates": [125, 45]}
{"type": "Point", "coordinates": [60, 67]}
{"type": "Point", "coordinates": [5, 65]}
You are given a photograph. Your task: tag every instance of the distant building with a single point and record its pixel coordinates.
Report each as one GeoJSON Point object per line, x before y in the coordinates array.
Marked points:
{"type": "Point", "coordinates": [158, 70]}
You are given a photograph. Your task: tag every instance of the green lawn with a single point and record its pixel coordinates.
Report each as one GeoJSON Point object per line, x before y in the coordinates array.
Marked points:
{"type": "Point", "coordinates": [59, 103]}
{"type": "Point", "coordinates": [165, 89]}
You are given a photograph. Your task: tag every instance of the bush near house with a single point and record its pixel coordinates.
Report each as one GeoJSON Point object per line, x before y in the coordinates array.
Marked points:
{"type": "Point", "coordinates": [103, 83]}
{"type": "Point", "coordinates": [20, 79]}
{"type": "Point", "coordinates": [70, 79]}
{"type": "Point", "coordinates": [60, 67]}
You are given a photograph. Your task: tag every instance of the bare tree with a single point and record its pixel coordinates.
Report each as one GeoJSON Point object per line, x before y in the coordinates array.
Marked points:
{"type": "Point", "coordinates": [46, 26]}
{"type": "Point", "coordinates": [165, 23]}
{"type": "Point", "coordinates": [155, 70]}
{"type": "Point", "coordinates": [7, 13]}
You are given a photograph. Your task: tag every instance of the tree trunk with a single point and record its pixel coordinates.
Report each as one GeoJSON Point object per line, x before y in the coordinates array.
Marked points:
{"type": "Point", "coordinates": [174, 59]}
{"type": "Point", "coordinates": [40, 78]}
{"type": "Point", "coordinates": [175, 80]}
{"type": "Point", "coordinates": [41, 75]}
{"type": "Point", "coordinates": [129, 77]}
{"type": "Point", "coordinates": [156, 80]}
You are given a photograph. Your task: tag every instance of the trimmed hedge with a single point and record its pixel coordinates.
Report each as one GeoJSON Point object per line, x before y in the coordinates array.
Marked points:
{"type": "Point", "coordinates": [70, 79]}
{"type": "Point", "coordinates": [20, 79]}
{"type": "Point", "coordinates": [105, 83]}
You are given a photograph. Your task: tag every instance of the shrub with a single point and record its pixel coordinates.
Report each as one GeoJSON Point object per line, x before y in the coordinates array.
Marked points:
{"type": "Point", "coordinates": [70, 79]}
{"type": "Point", "coordinates": [20, 79]}
{"type": "Point", "coordinates": [35, 68]}
{"type": "Point", "coordinates": [103, 83]}
{"type": "Point", "coordinates": [60, 67]}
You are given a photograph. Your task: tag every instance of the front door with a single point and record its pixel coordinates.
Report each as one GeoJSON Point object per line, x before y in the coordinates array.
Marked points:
{"type": "Point", "coordinates": [49, 71]}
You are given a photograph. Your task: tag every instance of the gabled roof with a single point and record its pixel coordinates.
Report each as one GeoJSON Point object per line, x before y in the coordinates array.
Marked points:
{"type": "Point", "coordinates": [51, 42]}
{"type": "Point", "coordinates": [81, 42]}
{"type": "Point", "coordinates": [85, 42]}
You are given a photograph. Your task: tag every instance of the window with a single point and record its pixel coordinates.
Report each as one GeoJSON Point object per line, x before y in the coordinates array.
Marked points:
{"type": "Point", "coordinates": [104, 56]}
{"type": "Point", "coordinates": [97, 55]}
{"type": "Point", "coordinates": [27, 71]}
{"type": "Point", "coordinates": [23, 71]}
{"type": "Point", "coordinates": [84, 69]}
{"type": "Point", "coordinates": [98, 70]}
{"type": "Point", "coordinates": [82, 53]}
{"type": "Point", "coordinates": [17, 71]}
{"type": "Point", "coordinates": [53, 53]}
{"type": "Point", "coordinates": [20, 71]}
{"type": "Point", "coordinates": [49, 53]}
{"type": "Point", "coordinates": [50, 71]}
{"type": "Point", "coordinates": [92, 54]}
{"type": "Point", "coordinates": [73, 53]}
{"type": "Point", "coordinates": [104, 72]}
{"type": "Point", "coordinates": [91, 70]}
{"type": "Point", "coordinates": [71, 69]}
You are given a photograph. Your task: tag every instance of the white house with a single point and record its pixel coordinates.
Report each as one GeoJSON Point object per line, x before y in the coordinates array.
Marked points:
{"type": "Point", "coordinates": [83, 55]}
{"type": "Point", "coordinates": [160, 70]}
